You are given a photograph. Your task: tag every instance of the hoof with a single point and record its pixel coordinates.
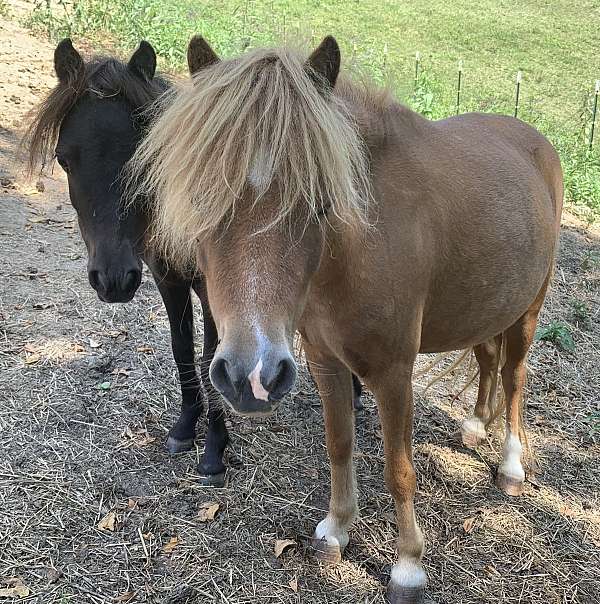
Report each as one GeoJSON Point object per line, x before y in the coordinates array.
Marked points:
{"type": "Point", "coordinates": [472, 432]}
{"type": "Point", "coordinates": [471, 439]}
{"type": "Point", "coordinates": [511, 486]}
{"type": "Point", "coordinates": [396, 594]}
{"type": "Point", "coordinates": [328, 553]}
{"type": "Point", "coordinates": [175, 446]}
{"type": "Point", "coordinates": [212, 480]}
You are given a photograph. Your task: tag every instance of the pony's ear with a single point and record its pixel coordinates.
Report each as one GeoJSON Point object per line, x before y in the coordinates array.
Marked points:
{"type": "Point", "coordinates": [325, 63]}
{"type": "Point", "coordinates": [200, 55]}
{"type": "Point", "coordinates": [68, 63]}
{"type": "Point", "coordinates": [143, 61]}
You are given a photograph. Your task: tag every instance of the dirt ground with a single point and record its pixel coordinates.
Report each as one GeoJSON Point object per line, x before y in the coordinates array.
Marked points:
{"type": "Point", "coordinates": [88, 392]}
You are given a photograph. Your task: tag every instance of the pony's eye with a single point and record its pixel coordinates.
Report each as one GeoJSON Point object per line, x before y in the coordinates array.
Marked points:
{"type": "Point", "coordinates": [64, 164]}
{"type": "Point", "coordinates": [323, 210]}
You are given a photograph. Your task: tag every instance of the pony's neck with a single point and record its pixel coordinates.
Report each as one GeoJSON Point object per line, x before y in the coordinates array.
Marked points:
{"type": "Point", "coordinates": [368, 109]}
{"type": "Point", "coordinates": [377, 114]}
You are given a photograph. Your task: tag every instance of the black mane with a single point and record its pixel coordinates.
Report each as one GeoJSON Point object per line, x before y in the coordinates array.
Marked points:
{"type": "Point", "coordinates": [107, 76]}
{"type": "Point", "coordinates": [101, 76]}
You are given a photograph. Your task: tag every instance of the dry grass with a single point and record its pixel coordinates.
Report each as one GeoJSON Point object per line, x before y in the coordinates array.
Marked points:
{"type": "Point", "coordinates": [68, 460]}
{"type": "Point", "coordinates": [72, 452]}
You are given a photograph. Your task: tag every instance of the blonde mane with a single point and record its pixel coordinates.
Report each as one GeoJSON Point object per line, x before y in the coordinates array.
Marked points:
{"type": "Point", "coordinates": [256, 119]}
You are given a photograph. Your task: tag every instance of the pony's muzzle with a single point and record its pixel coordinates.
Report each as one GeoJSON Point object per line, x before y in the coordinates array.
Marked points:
{"type": "Point", "coordinates": [120, 287]}
{"type": "Point", "coordinates": [253, 388]}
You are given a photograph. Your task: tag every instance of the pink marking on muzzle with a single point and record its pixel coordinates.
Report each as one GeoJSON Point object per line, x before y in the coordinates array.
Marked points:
{"type": "Point", "coordinates": [258, 390]}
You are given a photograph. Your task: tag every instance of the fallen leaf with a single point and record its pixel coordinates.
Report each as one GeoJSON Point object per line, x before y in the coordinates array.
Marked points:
{"type": "Point", "coordinates": [139, 438]}
{"type": "Point", "coordinates": [15, 589]}
{"type": "Point", "coordinates": [532, 478]}
{"type": "Point", "coordinates": [207, 511]}
{"type": "Point", "coordinates": [468, 524]}
{"type": "Point", "coordinates": [147, 349]}
{"type": "Point", "coordinates": [41, 305]}
{"type": "Point", "coordinates": [390, 517]}
{"type": "Point", "coordinates": [128, 596]}
{"type": "Point", "coordinates": [294, 584]}
{"type": "Point", "coordinates": [115, 333]}
{"type": "Point", "coordinates": [171, 545]}
{"type": "Point", "coordinates": [30, 359]}
{"type": "Point", "coordinates": [565, 510]}
{"type": "Point", "coordinates": [28, 191]}
{"type": "Point", "coordinates": [78, 348]}
{"type": "Point", "coordinates": [108, 523]}
{"type": "Point", "coordinates": [95, 343]}
{"type": "Point", "coordinates": [53, 575]}
{"type": "Point", "coordinates": [132, 504]}
{"type": "Point", "coordinates": [124, 372]}
{"type": "Point", "coordinates": [29, 348]}
{"type": "Point", "coordinates": [282, 544]}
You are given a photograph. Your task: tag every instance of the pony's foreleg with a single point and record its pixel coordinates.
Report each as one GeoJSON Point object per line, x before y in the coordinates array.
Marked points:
{"type": "Point", "coordinates": [175, 292]}
{"type": "Point", "coordinates": [393, 392]}
{"type": "Point", "coordinates": [517, 339]}
{"type": "Point", "coordinates": [334, 381]}
{"type": "Point", "coordinates": [473, 429]}
{"type": "Point", "coordinates": [211, 467]}
{"type": "Point", "coordinates": [357, 391]}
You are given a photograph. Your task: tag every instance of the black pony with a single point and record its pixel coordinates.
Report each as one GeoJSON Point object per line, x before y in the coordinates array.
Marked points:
{"type": "Point", "coordinates": [92, 121]}
{"type": "Point", "coordinates": [93, 117]}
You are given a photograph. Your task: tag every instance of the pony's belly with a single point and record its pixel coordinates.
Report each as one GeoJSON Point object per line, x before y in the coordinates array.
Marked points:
{"type": "Point", "coordinates": [465, 335]}
{"type": "Point", "coordinates": [462, 321]}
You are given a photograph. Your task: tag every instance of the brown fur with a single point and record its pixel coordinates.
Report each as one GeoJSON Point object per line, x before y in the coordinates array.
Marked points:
{"type": "Point", "coordinates": [466, 213]}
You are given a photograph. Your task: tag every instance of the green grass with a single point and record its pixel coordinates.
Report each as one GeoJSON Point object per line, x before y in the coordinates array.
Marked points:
{"type": "Point", "coordinates": [4, 10]}
{"type": "Point", "coordinates": [558, 334]}
{"type": "Point", "coordinates": [581, 314]}
{"type": "Point", "coordinates": [553, 42]}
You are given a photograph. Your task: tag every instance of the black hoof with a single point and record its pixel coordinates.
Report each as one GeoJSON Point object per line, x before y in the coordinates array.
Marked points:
{"type": "Point", "coordinates": [175, 446]}
{"type": "Point", "coordinates": [212, 480]}
{"type": "Point", "coordinates": [405, 595]}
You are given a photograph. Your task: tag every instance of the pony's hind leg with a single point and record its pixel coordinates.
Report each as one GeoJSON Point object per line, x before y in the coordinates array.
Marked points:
{"type": "Point", "coordinates": [473, 429]}
{"type": "Point", "coordinates": [334, 381]}
{"type": "Point", "coordinates": [393, 392]}
{"type": "Point", "coordinates": [517, 340]}
{"type": "Point", "coordinates": [357, 391]}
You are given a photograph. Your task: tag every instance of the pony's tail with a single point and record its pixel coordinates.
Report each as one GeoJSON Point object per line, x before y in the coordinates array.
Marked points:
{"type": "Point", "coordinates": [460, 360]}
{"type": "Point", "coordinates": [496, 402]}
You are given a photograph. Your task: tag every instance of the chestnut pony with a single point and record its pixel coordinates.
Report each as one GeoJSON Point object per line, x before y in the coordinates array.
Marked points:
{"type": "Point", "coordinates": [91, 122]}
{"type": "Point", "coordinates": [322, 206]}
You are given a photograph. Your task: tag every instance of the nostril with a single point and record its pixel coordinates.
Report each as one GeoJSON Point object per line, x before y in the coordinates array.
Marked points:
{"type": "Point", "coordinates": [284, 379]}
{"type": "Point", "coordinates": [132, 280]}
{"type": "Point", "coordinates": [221, 378]}
{"type": "Point", "coordinates": [94, 279]}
